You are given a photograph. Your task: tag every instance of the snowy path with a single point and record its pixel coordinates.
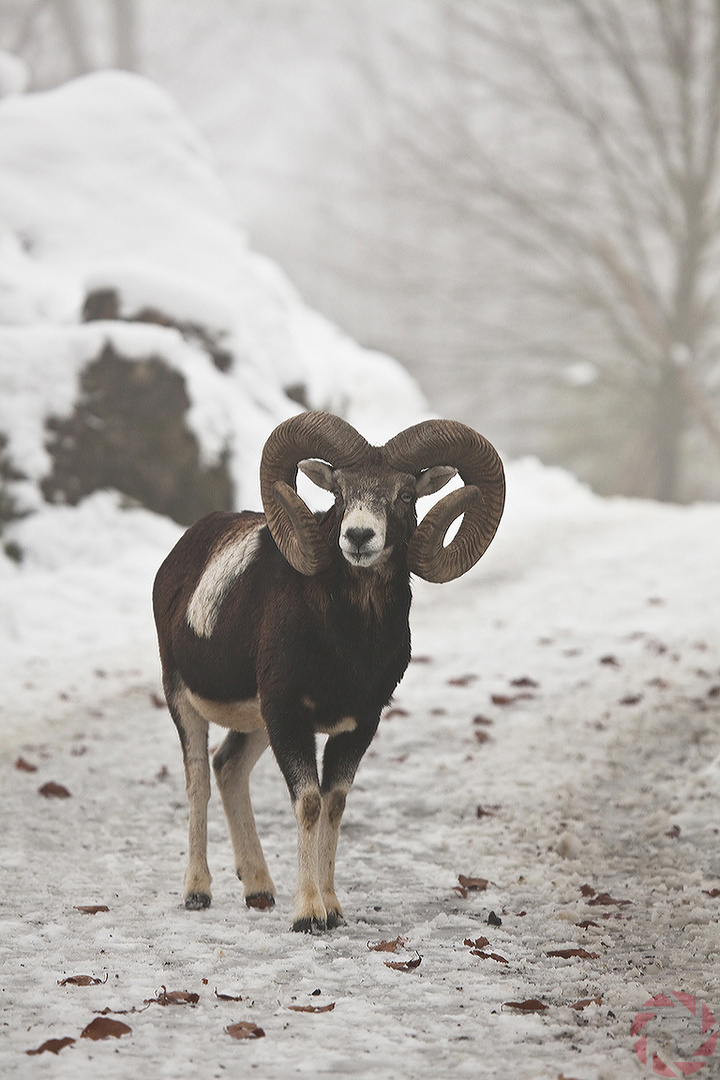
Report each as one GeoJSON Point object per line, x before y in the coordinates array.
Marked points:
{"type": "Point", "coordinates": [604, 774]}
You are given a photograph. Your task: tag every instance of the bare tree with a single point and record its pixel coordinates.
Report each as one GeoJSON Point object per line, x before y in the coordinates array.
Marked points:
{"type": "Point", "coordinates": [61, 39]}
{"type": "Point", "coordinates": [599, 184]}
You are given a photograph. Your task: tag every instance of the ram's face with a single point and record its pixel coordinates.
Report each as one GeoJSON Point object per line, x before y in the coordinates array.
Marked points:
{"type": "Point", "coordinates": [375, 506]}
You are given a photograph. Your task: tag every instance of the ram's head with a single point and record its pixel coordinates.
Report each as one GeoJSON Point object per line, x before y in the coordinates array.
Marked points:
{"type": "Point", "coordinates": [376, 488]}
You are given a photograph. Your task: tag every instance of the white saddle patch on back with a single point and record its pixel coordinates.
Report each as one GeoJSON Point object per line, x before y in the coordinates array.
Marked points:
{"type": "Point", "coordinates": [218, 577]}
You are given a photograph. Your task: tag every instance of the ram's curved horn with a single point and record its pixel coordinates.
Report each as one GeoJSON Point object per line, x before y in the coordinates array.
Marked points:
{"type": "Point", "coordinates": [447, 442]}
{"type": "Point", "coordinates": [293, 527]}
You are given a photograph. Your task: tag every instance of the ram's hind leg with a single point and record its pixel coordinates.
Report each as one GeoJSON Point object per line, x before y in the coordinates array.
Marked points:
{"type": "Point", "coordinates": [193, 732]}
{"type": "Point", "coordinates": [233, 764]}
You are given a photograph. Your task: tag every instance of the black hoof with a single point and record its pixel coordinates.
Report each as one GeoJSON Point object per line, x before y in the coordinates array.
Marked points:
{"type": "Point", "coordinates": [196, 901]}
{"type": "Point", "coordinates": [261, 900]}
{"type": "Point", "coordinates": [334, 920]}
{"type": "Point", "coordinates": [309, 926]}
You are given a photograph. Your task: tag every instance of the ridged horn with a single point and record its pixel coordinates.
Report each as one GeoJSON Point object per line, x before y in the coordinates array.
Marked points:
{"type": "Point", "coordinates": [448, 442]}
{"type": "Point", "coordinates": [293, 527]}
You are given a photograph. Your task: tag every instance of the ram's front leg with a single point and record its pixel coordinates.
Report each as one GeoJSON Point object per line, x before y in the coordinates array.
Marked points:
{"type": "Point", "coordinates": [342, 756]}
{"type": "Point", "coordinates": [294, 748]}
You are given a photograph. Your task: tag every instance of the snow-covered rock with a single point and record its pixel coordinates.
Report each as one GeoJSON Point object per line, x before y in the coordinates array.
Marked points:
{"type": "Point", "coordinates": [116, 233]}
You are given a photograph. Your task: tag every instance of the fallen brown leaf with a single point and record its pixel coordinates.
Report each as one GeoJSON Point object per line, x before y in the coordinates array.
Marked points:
{"type": "Point", "coordinates": [483, 720]}
{"type": "Point", "coordinates": [91, 909]}
{"type": "Point", "coordinates": [714, 893]}
{"type": "Point", "coordinates": [396, 711]}
{"type": "Point", "coordinates": [488, 956]}
{"type": "Point", "coordinates": [157, 701]}
{"type": "Point", "coordinates": [610, 661]}
{"type": "Point", "coordinates": [53, 1046]}
{"type": "Point", "coordinates": [604, 899]}
{"type": "Point", "coordinates": [482, 736]}
{"type": "Point", "coordinates": [567, 954]}
{"type": "Point", "coordinates": [584, 1002]}
{"type": "Point", "coordinates": [484, 812]}
{"type": "Point", "coordinates": [51, 790]}
{"type": "Point", "coordinates": [586, 923]}
{"type": "Point", "coordinates": [587, 890]}
{"type": "Point", "coordinates": [82, 980]}
{"type": "Point", "coordinates": [631, 699]}
{"type": "Point", "coordinates": [473, 884]}
{"type": "Point", "coordinates": [478, 943]}
{"type": "Point", "coordinates": [463, 680]}
{"type": "Point", "coordinates": [404, 965]}
{"type": "Point", "coordinates": [104, 1028]}
{"type": "Point", "coordinates": [313, 1008]}
{"type": "Point", "coordinates": [245, 1029]}
{"type": "Point", "coordinates": [173, 997]}
{"type": "Point", "coordinates": [226, 997]}
{"type": "Point", "coordinates": [525, 681]}
{"type": "Point", "coordinates": [25, 766]}
{"type": "Point", "coordinates": [388, 946]}
{"type": "Point", "coordinates": [531, 1005]}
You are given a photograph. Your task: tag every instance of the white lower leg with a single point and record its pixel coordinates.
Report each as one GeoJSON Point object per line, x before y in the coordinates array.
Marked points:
{"type": "Point", "coordinates": [309, 907]}
{"type": "Point", "coordinates": [197, 877]}
{"type": "Point", "coordinates": [333, 805]}
{"type": "Point", "coordinates": [234, 784]}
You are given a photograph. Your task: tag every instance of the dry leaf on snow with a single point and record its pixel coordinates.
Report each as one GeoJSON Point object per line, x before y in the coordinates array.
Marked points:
{"type": "Point", "coordinates": [463, 680]}
{"type": "Point", "coordinates": [104, 1028]}
{"type": "Point", "coordinates": [604, 899]}
{"type": "Point", "coordinates": [173, 997]}
{"type": "Point", "coordinates": [51, 790]}
{"type": "Point", "coordinates": [313, 1008]}
{"type": "Point", "coordinates": [91, 909]}
{"type": "Point", "coordinates": [404, 965]}
{"type": "Point", "coordinates": [567, 954]}
{"type": "Point", "coordinates": [226, 997]}
{"type": "Point", "coordinates": [245, 1029]}
{"type": "Point", "coordinates": [488, 956]}
{"type": "Point", "coordinates": [25, 766]}
{"type": "Point", "coordinates": [531, 1005]}
{"type": "Point", "coordinates": [584, 1002]}
{"type": "Point", "coordinates": [473, 884]}
{"type": "Point", "coordinates": [82, 980]}
{"type": "Point", "coordinates": [388, 946]}
{"type": "Point", "coordinates": [54, 1046]}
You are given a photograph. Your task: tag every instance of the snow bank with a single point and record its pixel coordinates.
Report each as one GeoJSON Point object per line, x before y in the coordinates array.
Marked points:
{"type": "Point", "coordinates": [104, 186]}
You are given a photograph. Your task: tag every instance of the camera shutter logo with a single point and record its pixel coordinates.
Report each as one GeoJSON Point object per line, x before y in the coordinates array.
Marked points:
{"type": "Point", "coordinates": [688, 1015]}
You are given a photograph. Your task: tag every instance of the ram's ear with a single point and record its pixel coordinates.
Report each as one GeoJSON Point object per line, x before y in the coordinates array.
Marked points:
{"type": "Point", "coordinates": [433, 479]}
{"type": "Point", "coordinates": [318, 471]}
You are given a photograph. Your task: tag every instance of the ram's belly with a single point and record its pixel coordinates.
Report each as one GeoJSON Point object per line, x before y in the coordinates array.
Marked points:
{"type": "Point", "coordinates": [243, 716]}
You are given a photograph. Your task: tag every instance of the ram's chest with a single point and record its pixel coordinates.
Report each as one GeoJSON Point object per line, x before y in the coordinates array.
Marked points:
{"type": "Point", "coordinates": [358, 669]}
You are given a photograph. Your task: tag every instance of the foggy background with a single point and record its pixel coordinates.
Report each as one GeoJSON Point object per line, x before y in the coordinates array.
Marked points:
{"type": "Point", "coordinates": [520, 202]}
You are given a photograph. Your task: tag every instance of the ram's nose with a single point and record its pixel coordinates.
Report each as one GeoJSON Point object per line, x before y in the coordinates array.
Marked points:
{"type": "Point", "coordinates": [359, 538]}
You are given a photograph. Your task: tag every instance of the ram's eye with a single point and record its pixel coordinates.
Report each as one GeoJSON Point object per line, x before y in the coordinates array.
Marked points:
{"type": "Point", "coordinates": [406, 496]}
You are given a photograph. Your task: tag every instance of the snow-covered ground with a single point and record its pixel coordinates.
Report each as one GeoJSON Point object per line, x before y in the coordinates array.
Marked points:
{"type": "Point", "coordinates": [586, 639]}
{"type": "Point", "coordinates": [556, 736]}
